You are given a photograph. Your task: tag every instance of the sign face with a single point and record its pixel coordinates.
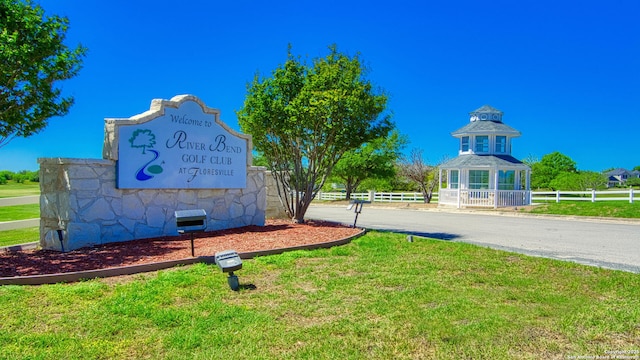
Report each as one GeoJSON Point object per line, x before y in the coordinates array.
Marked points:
{"type": "Point", "coordinates": [183, 149]}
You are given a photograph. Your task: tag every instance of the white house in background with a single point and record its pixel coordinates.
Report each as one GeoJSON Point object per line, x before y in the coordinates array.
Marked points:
{"type": "Point", "coordinates": [484, 174]}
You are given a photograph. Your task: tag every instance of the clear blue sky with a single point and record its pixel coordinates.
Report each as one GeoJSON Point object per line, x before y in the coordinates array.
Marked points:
{"type": "Point", "coordinates": [565, 73]}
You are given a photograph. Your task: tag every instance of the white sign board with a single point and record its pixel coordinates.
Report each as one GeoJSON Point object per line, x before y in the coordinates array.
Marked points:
{"type": "Point", "coordinates": [185, 148]}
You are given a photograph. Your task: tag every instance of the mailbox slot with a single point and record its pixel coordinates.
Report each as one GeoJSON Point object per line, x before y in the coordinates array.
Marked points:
{"type": "Point", "coordinates": [191, 220]}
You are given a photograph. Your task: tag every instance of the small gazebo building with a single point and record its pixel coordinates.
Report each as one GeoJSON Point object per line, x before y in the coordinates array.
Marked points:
{"type": "Point", "coordinates": [484, 174]}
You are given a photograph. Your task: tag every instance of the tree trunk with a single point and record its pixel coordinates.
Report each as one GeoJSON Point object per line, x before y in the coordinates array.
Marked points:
{"type": "Point", "coordinates": [348, 192]}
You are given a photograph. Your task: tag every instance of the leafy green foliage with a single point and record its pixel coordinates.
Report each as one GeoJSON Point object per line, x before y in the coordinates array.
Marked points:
{"type": "Point", "coordinates": [33, 58]}
{"type": "Point", "coordinates": [305, 117]}
{"type": "Point", "coordinates": [578, 181]}
{"type": "Point", "coordinates": [372, 160]}
{"type": "Point", "coordinates": [548, 168]}
{"type": "Point", "coordinates": [20, 177]}
{"type": "Point", "coordinates": [633, 182]}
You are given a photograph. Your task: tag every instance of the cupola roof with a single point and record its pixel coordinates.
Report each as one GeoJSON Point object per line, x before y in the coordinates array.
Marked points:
{"type": "Point", "coordinates": [486, 127]}
{"type": "Point", "coordinates": [486, 120]}
{"type": "Point", "coordinates": [486, 113]}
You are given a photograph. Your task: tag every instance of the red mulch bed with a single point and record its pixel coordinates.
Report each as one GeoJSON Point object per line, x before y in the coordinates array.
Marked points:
{"type": "Point", "coordinates": [275, 234]}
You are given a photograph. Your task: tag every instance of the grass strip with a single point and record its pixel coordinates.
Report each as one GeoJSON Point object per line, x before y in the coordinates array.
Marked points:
{"type": "Point", "coordinates": [19, 236]}
{"type": "Point", "coordinates": [13, 189]}
{"type": "Point", "coordinates": [611, 209]}
{"type": "Point", "coordinates": [379, 297]}
{"type": "Point", "coordinates": [19, 212]}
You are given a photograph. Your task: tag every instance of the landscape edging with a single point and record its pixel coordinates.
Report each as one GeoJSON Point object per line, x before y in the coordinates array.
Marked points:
{"type": "Point", "coordinates": [135, 269]}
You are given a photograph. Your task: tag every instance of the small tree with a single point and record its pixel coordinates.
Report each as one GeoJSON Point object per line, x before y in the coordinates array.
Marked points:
{"type": "Point", "coordinates": [633, 182]}
{"type": "Point", "coordinates": [33, 59]}
{"type": "Point", "coordinates": [425, 177]}
{"type": "Point", "coordinates": [592, 180]}
{"type": "Point", "coordinates": [373, 160]}
{"type": "Point", "coordinates": [578, 181]}
{"type": "Point", "coordinates": [305, 117]}
{"type": "Point", "coordinates": [549, 167]}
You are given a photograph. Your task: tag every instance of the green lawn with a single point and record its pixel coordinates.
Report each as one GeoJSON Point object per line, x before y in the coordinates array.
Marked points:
{"type": "Point", "coordinates": [19, 212]}
{"type": "Point", "coordinates": [615, 209]}
{"type": "Point", "coordinates": [12, 189]}
{"type": "Point", "coordinates": [380, 297]}
{"type": "Point", "coordinates": [19, 236]}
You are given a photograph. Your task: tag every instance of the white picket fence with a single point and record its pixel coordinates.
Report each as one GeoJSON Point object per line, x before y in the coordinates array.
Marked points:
{"type": "Point", "coordinates": [593, 195]}
{"type": "Point", "coordinates": [377, 196]}
{"type": "Point", "coordinates": [540, 196]}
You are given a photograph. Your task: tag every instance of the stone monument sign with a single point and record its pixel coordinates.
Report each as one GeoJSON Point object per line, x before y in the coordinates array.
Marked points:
{"type": "Point", "coordinates": [178, 155]}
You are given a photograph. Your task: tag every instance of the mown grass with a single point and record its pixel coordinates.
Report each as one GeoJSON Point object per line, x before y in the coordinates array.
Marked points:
{"type": "Point", "coordinates": [19, 212]}
{"type": "Point", "coordinates": [13, 189]}
{"type": "Point", "coordinates": [615, 209]}
{"type": "Point", "coordinates": [19, 236]}
{"type": "Point", "coordinates": [380, 297]}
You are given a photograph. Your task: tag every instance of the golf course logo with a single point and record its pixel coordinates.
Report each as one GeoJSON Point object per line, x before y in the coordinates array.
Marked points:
{"type": "Point", "coordinates": [146, 140]}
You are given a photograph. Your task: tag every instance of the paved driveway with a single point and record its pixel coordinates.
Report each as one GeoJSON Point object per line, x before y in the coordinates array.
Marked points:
{"type": "Point", "coordinates": [606, 243]}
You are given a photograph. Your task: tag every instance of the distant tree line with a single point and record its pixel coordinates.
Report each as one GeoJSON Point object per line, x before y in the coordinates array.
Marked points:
{"type": "Point", "coordinates": [557, 171]}
{"type": "Point", "coordinates": [18, 177]}
{"type": "Point", "coordinates": [554, 171]}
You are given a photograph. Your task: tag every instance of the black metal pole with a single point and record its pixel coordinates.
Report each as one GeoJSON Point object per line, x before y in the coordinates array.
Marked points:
{"type": "Point", "coordinates": [358, 210]}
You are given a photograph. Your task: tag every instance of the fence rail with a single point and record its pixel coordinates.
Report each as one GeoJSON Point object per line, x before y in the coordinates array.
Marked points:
{"type": "Point", "coordinates": [377, 196]}
{"type": "Point", "coordinates": [593, 195]}
{"type": "Point", "coordinates": [550, 196]}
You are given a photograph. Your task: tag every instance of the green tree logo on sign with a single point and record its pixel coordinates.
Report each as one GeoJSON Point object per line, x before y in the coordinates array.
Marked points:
{"type": "Point", "coordinates": [146, 139]}
{"type": "Point", "coordinates": [142, 139]}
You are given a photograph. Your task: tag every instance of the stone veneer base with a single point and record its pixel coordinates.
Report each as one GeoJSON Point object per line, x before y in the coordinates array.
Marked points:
{"type": "Point", "coordinates": [80, 205]}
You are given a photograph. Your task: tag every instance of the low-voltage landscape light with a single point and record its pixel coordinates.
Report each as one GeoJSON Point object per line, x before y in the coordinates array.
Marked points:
{"type": "Point", "coordinates": [229, 261]}
{"type": "Point", "coordinates": [356, 205]}
{"type": "Point", "coordinates": [191, 221]}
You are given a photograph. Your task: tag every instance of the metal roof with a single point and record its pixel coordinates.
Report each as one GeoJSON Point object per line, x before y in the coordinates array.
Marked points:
{"type": "Point", "coordinates": [486, 127]}
{"type": "Point", "coordinates": [486, 109]}
{"type": "Point", "coordinates": [484, 161]}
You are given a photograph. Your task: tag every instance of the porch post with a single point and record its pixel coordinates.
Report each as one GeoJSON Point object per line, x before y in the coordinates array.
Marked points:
{"type": "Point", "coordinates": [528, 186]}
{"type": "Point", "coordinates": [495, 188]}
{"type": "Point", "coordinates": [461, 176]}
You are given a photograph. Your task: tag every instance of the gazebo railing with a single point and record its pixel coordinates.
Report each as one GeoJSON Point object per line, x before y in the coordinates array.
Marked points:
{"type": "Point", "coordinates": [484, 198]}
{"type": "Point", "coordinates": [508, 198]}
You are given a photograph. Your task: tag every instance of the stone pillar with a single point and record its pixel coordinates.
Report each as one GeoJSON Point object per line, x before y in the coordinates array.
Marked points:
{"type": "Point", "coordinates": [275, 209]}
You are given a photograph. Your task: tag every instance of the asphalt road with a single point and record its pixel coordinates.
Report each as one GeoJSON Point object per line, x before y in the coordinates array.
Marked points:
{"type": "Point", "coordinates": [21, 200]}
{"type": "Point", "coordinates": [605, 243]}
